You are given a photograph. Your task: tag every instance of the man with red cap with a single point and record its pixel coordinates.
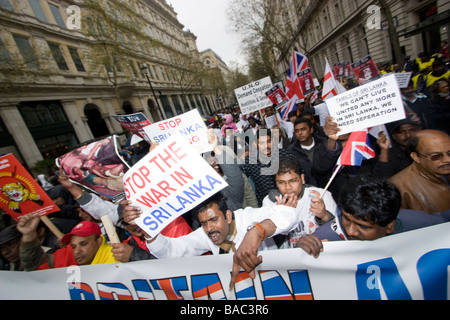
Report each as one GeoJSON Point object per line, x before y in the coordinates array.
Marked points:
{"type": "Point", "coordinates": [85, 246]}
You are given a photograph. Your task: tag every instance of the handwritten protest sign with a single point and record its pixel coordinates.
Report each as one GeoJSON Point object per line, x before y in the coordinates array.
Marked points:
{"type": "Point", "coordinates": [20, 193]}
{"type": "Point", "coordinates": [378, 102]}
{"type": "Point", "coordinates": [252, 97]}
{"type": "Point", "coordinates": [96, 167]}
{"type": "Point", "coordinates": [190, 125]}
{"type": "Point", "coordinates": [171, 180]}
{"type": "Point", "coordinates": [403, 79]}
{"type": "Point", "coordinates": [134, 123]}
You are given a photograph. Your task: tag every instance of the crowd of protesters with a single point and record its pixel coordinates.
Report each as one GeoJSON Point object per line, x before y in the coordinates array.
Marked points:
{"type": "Point", "coordinates": [404, 187]}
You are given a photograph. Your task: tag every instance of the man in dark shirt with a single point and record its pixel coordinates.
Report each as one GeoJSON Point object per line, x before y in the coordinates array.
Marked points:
{"type": "Point", "coordinates": [261, 164]}
{"type": "Point", "coordinates": [370, 209]}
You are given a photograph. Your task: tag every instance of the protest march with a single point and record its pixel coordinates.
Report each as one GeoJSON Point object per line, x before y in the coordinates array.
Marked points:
{"type": "Point", "coordinates": [356, 207]}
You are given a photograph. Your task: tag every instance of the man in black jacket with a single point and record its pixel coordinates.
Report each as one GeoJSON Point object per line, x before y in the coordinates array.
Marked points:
{"type": "Point", "coordinates": [316, 154]}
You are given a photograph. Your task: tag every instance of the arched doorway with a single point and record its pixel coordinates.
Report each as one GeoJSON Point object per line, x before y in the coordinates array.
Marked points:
{"type": "Point", "coordinates": [154, 112]}
{"type": "Point", "coordinates": [95, 121]}
{"type": "Point", "coordinates": [127, 107]}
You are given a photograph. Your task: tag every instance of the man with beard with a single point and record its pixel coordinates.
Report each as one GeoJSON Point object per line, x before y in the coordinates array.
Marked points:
{"type": "Point", "coordinates": [222, 231]}
{"type": "Point", "coordinates": [370, 209]}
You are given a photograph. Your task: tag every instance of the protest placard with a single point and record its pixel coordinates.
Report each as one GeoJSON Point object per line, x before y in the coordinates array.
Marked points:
{"type": "Point", "coordinates": [134, 123]}
{"type": "Point", "coordinates": [306, 81]}
{"type": "Point", "coordinates": [20, 193]}
{"type": "Point", "coordinates": [276, 94]}
{"type": "Point", "coordinates": [403, 79]}
{"type": "Point", "coordinates": [365, 70]}
{"type": "Point", "coordinates": [343, 70]}
{"type": "Point", "coordinates": [189, 124]}
{"type": "Point", "coordinates": [97, 167]}
{"type": "Point", "coordinates": [378, 102]}
{"type": "Point", "coordinates": [252, 97]}
{"type": "Point", "coordinates": [171, 180]}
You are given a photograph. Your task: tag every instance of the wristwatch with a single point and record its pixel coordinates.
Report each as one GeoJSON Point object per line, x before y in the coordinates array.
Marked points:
{"type": "Point", "coordinates": [260, 228]}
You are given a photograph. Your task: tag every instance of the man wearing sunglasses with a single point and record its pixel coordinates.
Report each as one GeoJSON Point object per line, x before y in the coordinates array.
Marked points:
{"type": "Point", "coordinates": [424, 185]}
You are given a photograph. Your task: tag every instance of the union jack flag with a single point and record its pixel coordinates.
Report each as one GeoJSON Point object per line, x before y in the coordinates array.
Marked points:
{"type": "Point", "coordinates": [299, 62]}
{"type": "Point", "coordinates": [286, 108]}
{"type": "Point", "coordinates": [294, 92]}
{"type": "Point", "coordinates": [357, 149]}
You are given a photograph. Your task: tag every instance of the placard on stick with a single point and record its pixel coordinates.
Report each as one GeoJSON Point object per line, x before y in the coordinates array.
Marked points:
{"type": "Point", "coordinates": [171, 180]}
{"type": "Point", "coordinates": [378, 102]}
{"type": "Point", "coordinates": [189, 125]}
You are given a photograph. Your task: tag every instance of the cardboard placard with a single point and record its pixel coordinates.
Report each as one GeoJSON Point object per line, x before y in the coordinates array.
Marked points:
{"type": "Point", "coordinates": [20, 193]}
{"type": "Point", "coordinates": [171, 180]}
{"type": "Point", "coordinates": [378, 102]}
{"type": "Point", "coordinates": [189, 124]}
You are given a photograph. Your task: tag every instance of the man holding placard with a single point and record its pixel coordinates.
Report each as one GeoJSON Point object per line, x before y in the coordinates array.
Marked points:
{"type": "Point", "coordinates": [222, 230]}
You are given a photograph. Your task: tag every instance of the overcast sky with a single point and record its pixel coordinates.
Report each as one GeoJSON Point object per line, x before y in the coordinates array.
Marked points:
{"type": "Point", "coordinates": [207, 20]}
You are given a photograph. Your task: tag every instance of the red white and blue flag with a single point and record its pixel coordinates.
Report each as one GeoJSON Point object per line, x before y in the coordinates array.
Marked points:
{"type": "Point", "coordinates": [299, 62]}
{"type": "Point", "coordinates": [357, 149]}
{"type": "Point", "coordinates": [286, 108]}
{"type": "Point", "coordinates": [294, 92]}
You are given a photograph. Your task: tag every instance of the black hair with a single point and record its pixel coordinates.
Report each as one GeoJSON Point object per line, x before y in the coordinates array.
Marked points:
{"type": "Point", "coordinates": [218, 199]}
{"type": "Point", "coordinates": [369, 198]}
{"type": "Point", "coordinates": [263, 133]}
{"type": "Point", "coordinates": [413, 142]}
{"type": "Point", "coordinates": [304, 120]}
{"type": "Point", "coordinates": [292, 114]}
{"type": "Point", "coordinates": [287, 163]}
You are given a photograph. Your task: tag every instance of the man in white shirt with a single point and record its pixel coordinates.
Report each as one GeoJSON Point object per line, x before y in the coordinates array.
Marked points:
{"type": "Point", "coordinates": [222, 230]}
{"type": "Point", "coordinates": [314, 205]}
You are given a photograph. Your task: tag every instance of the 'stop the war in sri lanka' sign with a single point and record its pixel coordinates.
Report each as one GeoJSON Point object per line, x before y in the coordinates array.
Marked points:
{"type": "Point", "coordinates": [169, 181]}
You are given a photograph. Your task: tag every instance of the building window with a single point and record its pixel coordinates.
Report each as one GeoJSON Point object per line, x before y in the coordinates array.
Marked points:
{"type": "Point", "coordinates": [26, 50]}
{"type": "Point", "coordinates": [5, 4]}
{"type": "Point", "coordinates": [363, 44]}
{"type": "Point", "coordinates": [58, 56]}
{"type": "Point", "coordinates": [5, 57]}
{"type": "Point", "coordinates": [155, 72]}
{"type": "Point", "coordinates": [57, 15]}
{"type": "Point", "coordinates": [76, 59]}
{"type": "Point", "coordinates": [37, 9]}
{"type": "Point", "coordinates": [348, 55]}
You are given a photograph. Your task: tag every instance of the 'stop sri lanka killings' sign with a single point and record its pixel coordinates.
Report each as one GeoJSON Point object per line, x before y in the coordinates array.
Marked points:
{"type": "Point", "coordinates": [171, 180]}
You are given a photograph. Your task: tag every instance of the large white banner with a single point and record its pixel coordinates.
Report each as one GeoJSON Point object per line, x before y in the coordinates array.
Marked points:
{"type": "Point", "coordinates": [169, 181]}
{"type": "Point", "coordinates": [412, 265]}
{"type": "Point", "coordinates": [252, 97]}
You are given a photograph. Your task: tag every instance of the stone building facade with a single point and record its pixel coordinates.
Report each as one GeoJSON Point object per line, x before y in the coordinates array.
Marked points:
{"type": "Point", "coordinates": [349, 30]}
{"type": "Point", "coordinates": [52, 99]}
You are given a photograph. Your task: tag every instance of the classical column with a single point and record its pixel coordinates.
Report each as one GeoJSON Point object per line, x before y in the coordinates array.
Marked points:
{"type": "Point", "coordinates": [18, 129]}
{"type": "Point", "coordinates": [112, 124]}
{"type": "Point", "coordinates": [76, 120]}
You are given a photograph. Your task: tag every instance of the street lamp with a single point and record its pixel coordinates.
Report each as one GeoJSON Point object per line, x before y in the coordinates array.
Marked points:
{"type": "Point", "coordinates": [144, 70]}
